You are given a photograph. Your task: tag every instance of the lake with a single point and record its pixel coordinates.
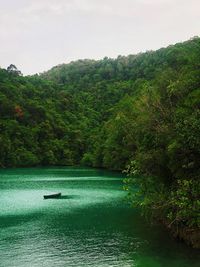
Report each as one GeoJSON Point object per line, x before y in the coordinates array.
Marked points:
{"type": "Point", "coordinates": [90, 225]}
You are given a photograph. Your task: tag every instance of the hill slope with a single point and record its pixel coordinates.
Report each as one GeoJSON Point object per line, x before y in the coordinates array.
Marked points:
{"type": "Point", "coordinates": [140, 112]}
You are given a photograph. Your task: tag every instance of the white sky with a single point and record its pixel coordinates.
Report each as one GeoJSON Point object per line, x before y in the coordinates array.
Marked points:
{"type": "Point", "coordinates": [36, 35]}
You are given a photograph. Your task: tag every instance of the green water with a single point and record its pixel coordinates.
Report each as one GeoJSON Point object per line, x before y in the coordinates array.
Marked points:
{"type": "Point", "coordinates": [90, 225]}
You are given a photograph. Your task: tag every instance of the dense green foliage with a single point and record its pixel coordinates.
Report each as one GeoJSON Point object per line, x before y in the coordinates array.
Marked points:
{"type": "Point", "coordinates": [40, 123]}
{"type": "Point", "coordinates": [140, 112]}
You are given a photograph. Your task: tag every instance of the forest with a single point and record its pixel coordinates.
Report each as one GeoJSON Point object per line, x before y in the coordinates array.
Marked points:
{"type": "Point", "coordinates": [139, 114]}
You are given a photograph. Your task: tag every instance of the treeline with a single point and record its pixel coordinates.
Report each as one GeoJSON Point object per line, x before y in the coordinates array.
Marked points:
{"type": "Point", "coordinates": [140, 113]}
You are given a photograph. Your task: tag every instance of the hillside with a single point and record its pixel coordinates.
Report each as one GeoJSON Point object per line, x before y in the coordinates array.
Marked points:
{"type": "Point", "coordinates": [140, 112]}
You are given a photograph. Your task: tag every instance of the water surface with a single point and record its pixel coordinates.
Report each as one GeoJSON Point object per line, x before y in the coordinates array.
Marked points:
{"type": "Point", "coordinates": [91, 225]}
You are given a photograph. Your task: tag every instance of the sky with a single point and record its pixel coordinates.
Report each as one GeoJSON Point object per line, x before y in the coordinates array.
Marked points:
{"type": "Point", "coordinates": [36, 35]}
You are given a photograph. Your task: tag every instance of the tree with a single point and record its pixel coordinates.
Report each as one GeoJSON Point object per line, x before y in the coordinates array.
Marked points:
{"type": "Point", "coordinates": [13, 69]}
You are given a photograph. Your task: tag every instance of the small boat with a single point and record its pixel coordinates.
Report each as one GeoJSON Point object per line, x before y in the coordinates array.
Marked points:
{"type": "Point", "coordinates": [55, 195]}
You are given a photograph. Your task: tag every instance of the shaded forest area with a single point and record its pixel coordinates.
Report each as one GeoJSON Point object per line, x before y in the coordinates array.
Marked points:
{"type": "Point", "coordinates": [140, 113]}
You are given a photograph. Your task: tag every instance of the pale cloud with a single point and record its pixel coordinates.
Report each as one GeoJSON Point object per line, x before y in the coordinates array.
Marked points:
{"type": "Point", "coordinates": [37, 34]}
